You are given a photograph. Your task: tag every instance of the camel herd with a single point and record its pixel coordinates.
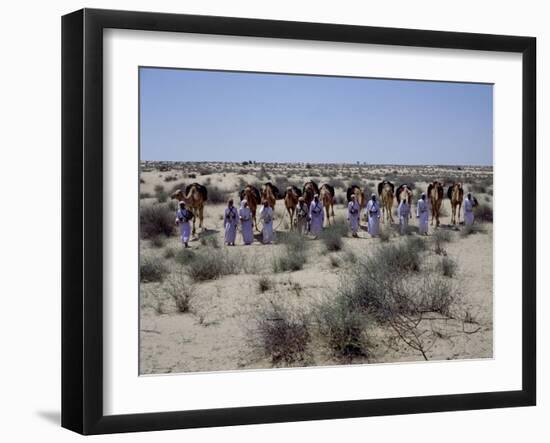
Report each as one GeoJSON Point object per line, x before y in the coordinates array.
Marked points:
{"type": "Point", "coordinates": [195, 196]}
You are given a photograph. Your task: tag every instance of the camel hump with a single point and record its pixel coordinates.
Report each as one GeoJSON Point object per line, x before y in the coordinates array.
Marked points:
{"type": "Point", "coordinates": [329, 188]}
{"type": "Point", "coordinates": [200, 188]}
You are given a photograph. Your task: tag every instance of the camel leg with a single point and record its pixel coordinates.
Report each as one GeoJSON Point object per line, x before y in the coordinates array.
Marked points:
{"type": "Point", "coordinates": [459, 208]}
{"type": "Point", "coordinates": [201, 217]}
{"type": "Point", "coordinates": [193, 225]}
{"type": "Point", "coordinates": [332, 209]}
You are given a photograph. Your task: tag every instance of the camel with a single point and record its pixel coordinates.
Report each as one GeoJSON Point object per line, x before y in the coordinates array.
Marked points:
{"type": "Point", "coordinates": [435, 194]}
{"type": "Point", "coordinates": [404, 192]}
{"type": "Point", "coordinates": [359, 195]}
{"type": "Point", "coordinates": [253, 198]}
{"type": "Point", "coordinates": [385, 192]}
{"type": "Point", "coordinates": [309, 190]}
{"type": "Point", "coordinates": [456, 195]}
{"type": "Point", "coordinates": [195, 198]}
{"type": "Point", "coordinates": [326, 195]}
{"type": "Point", "coordinates": [270, 192]}
{"type": "Point", "coordinates": [292, 194]}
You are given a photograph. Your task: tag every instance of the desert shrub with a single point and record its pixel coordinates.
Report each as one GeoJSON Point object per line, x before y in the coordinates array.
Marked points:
{"type": "Point", "coordinates": [343, 327]}
{"type": "Point", "coordinates": [169, 253]}
{"type": "Point", "coordinates": [155, 220]}
{"type": "Point", "coordinates": [439, 238]}
{"type": "Point", "coordinates": [170, 178]}
{"type": "Point", "coordinates": [192, 175]}
{"type": "Point", "coordinates": [264, 283]}
{"type": "Point", "coordinates": [448, 266]}
{"type": "Point", "coordinates": [289, 260]}
{"type": "Point", "coordinates": [141, 181]}
{"type": "Point", "coordinates": [292, 240]}
{"type": "Point", "coordinates": [184, 255]}
{"type": "Point", "coordinates": [162, 197]}
{"type": "Point", "coordinates": [159, 188]}
{"type": "Point", "coordinates": [384, 235]}
{"type": "Point", "coordinates": [483, 212]}
{"type": "Point", "coordinates": [210, 240]}
{"type": "Point", "coordinates": [349, 257]}
{"type": "Point", "coordinates": [157, 241]}
{"type": "Point", "coordinates": [152, 269]}
{"type": "Point", "coordinates": [335, 261]}
{"type": "Point", "coordinates": [438, 295]}
{"type": "Point", "coordinates": [399, 257]}
{"type": "Point", "coordinates": [472, 229]}
{"type": "Point", "coordinates": [217, 195]}
{"type": "Point", "coordinates": [143, 195]}
{"type": "Point", "coordinates": [207, 265]}
{"type": "Point", "coordinates": [332, 236]}
{"type": "Point", "coordinates": [281, 335]}
{"type": "Point", "coordinates": [181, 291]}
{"type": "Point", "coordinates": [338, 183]}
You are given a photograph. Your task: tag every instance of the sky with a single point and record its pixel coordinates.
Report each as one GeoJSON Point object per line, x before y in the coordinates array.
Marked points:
{"type": "Point", "coordinates": [196, 115]}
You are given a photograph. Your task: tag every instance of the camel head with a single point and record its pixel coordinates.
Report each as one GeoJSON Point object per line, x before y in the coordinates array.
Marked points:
{"type": "Point", "coordinates": [180, 196]}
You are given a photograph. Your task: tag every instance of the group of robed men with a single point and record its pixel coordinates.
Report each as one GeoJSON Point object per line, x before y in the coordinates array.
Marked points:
{"type": "Point", "coordinates": [310, 219]}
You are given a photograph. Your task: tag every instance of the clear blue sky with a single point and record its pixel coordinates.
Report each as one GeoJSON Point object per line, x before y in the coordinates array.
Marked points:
{"type": "Point", "coordinates": [191, 115]}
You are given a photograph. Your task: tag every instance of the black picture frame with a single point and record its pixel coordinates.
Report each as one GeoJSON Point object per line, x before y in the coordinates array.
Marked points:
{"type": "Point", "coordinates": [82, 215]}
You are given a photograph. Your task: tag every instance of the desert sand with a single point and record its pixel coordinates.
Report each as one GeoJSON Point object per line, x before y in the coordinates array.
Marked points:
{"type": "Point", "coordinates": [219, 328]}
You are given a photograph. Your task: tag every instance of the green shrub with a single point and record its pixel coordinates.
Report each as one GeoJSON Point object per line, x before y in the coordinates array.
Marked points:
{"type": "Point", "coordinates": [157, 241]}
{"type": "Point", "coordinates": [344, 328]}
{"type": "Point", "coordinates": [184, 256]}
{"type": "Point", "coordinates": [207, 265]}
{"type": "Point", "coordinates": [155, 220]}
{"type": "Point", "coordinates": [332, 236]}
{"type": "Point", "coordinates": [152, 269]}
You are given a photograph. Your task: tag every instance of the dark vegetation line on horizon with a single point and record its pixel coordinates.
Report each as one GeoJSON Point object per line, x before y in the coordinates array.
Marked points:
{"type": "Point", "coordinates": [354, 164]}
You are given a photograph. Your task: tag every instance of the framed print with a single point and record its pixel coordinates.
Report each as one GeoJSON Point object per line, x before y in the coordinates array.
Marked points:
{"type": "Point", "coordinates": [268, 221]}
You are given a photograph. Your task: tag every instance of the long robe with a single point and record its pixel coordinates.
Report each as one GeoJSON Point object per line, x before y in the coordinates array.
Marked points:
{"type": "Point", "coordinates": [302, 215]}
{"type": "Point", "coordinates": [403, 212]}
{"type": "Point", "coordinates": [468, 212]}
{"type": "Point", "coordinates": [266, 215]}
{"type": "Point", "coordinates": [317, 216]}
{"type": "Point", "coordinates": [230, 224]}
{"type": "Point", "coordinates": [373, 214]}
{"type": "Point", "coordinates": [182, 218]}
{"type": "Point", "coordinates": [423, 216]}
{"type": "Point", "coordinates": [353, 216]}
{"type": "Point", "coordinates": [246, 225]}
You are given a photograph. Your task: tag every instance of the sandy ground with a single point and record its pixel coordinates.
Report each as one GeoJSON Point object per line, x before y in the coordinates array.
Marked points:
{"type": "Point", "coordinates": [218, 332]}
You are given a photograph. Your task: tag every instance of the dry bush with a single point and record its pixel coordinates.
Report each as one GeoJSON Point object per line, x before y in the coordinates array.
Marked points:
{"type": "Point", "coordinates": [209, 265]}
{"type": "Point", "coordinates": [448, 267]}
{"type": "Point", "coordinates": [472, 229]}
{"type": "Point", "coordinates": [264, 283]}
{"type": "Point", "coordinates": [217, 195]}
{"type": "Point", "coordinates": [155, 220]}
{"type": "Point", "coordinates": [289, 260]}
{"type": "Point", "coordinates": [439, 238]}
{"type": "Point", "coordinates": [152, 269]}
{"type": "Point", "coordinates": [282, 335]}
{"type": "Point", "coordinates": [157, 241]}
{"type": "Point", "coordinates": [343, 326]}
{"type": "Point", "coordinates": [169, 253]}
{"type": "Point", "coordinates": [384, 235]}
{"type": "Point", "coordinates": [332, 236]}
{"type": "Point", "coordinates": [483, 212]}
{"type": "Point", "coordinates": [184, 255]}
{"type": "Point", "coordinates": [210, 240]}
{"type": "Point", "coordinates": [180, 290]}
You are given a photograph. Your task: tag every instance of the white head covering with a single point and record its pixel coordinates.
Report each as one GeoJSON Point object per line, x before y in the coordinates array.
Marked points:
{"type": "Point", "coordinates": [243, 201]}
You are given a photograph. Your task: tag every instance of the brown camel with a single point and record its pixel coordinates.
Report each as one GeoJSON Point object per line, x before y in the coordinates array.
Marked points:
{"type": "Point", "coordinates": [359, 195]}
{"type": "Point", "coordinates": [195, 198]}
{"type": "Point", "coordinates": [435, 194]}
{"type": "Point", "coordinates": [326, 195]}
{"type": "Point", "coordinates": [456, 195]}
{"type": "Point", "coordinates": [292, 194]}
{"type": "Point", "coordinates": [253, 198]}
{"type": "Point", "coordinates": [385, 192]}
{"type": "Point", "coordinates": [270, 192]}
{"type": "Point", "coordinates": [309, 190]}
{"type": "Point", "coordinates": [404, 192]}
